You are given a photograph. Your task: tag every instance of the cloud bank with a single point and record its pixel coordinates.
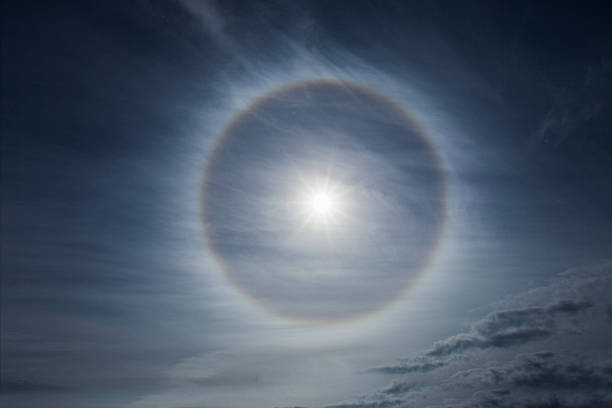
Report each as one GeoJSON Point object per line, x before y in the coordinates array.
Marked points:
{"type": "Point", "coordinates": [499, 361]}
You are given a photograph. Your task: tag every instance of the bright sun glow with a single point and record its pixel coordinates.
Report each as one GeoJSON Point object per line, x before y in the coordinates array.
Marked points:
{"type": "Point", "coordinates": [321, 204]}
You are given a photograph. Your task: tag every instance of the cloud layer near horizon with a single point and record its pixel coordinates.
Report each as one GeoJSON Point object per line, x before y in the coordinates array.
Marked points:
{"type": "Point", "coordinates": [503, 361]}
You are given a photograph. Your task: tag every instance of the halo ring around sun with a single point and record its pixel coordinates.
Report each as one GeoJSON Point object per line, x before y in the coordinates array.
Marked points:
{"type": "Point", "coordinates": [320, 127]}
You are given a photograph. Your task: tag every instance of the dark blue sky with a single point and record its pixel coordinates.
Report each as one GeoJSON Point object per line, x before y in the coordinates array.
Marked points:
{"type": "Point", "coordinates": [111, 295]}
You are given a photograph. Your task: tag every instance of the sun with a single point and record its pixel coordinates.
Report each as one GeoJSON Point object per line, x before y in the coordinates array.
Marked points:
{"type": "Point", "coordinates": [322, 204]}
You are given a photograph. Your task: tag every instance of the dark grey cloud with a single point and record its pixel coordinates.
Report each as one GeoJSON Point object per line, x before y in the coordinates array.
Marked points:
{"type": "Point", "coordinates": [372, 404]}
{"type": "Point", "coordinates": [446, 376]}
{"type": "Point", "coordinates": [545, 370]}
{"type": "Point", "coordinates": [501, 329]}
{"type": "Point", "coordinates": [400, 387]}
{"type": "Point", "coordinates": [509, 328]}
{"type": "Point", "coordinates": [291, 407]}
{"type": "Point", "coordinates": [541, 379]}
{"type": "Point", "coordinates": [411, 367]}
{"type": "Point", "coordinates": [503, 399]}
